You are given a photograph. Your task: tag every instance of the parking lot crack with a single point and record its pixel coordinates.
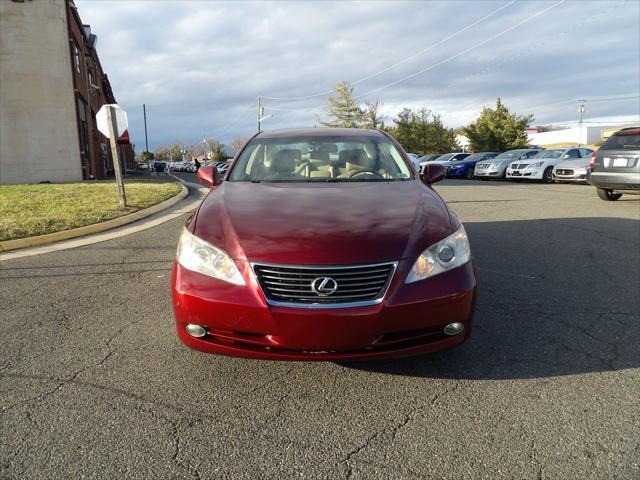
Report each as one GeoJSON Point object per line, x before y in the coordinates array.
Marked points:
{"type": "Point", "coordinates": [392, 431]}
{"type": "Point", "coordinates": [273, 380]}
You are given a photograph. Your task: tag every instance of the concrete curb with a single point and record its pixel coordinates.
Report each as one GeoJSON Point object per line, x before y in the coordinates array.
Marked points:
{"type": "Point", "coordinates": [94, 228]}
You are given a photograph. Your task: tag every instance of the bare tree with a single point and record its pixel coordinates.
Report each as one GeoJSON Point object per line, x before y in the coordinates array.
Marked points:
{"type": "Point", "coordinates": [373, 115]}
{"type": "Point", "coordinates": [238, 142]}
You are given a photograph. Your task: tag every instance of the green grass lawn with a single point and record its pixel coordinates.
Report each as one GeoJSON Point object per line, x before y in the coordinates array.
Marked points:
{"type": "Point", "coordinates": [28, 210]}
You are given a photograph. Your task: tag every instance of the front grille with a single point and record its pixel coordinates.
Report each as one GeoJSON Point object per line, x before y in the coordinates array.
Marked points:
{"type": "Point", "coordinates": [520, 166]}
{"type": "Point", "coordinates": [564, 172]}
{"type": "Point", "coordinates": [482, 166]}
{"type": "Point", "coordinates": [286, 284]}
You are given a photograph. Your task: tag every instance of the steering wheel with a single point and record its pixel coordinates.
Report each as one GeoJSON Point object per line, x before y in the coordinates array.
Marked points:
{"type": "Point", "coordinates": [366, 170]}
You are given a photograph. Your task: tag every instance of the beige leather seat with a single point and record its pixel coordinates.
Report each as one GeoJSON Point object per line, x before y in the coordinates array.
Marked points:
{"type": "Point", "coordinates": [283, 165]}
{"type": "Point", "coordinates": [319, 165]}
{"type": "Point", "coordinates": [354, 160]}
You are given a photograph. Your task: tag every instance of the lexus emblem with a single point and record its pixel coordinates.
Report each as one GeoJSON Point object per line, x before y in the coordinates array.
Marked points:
{"type": "Point", "coordinates": [324, 286]}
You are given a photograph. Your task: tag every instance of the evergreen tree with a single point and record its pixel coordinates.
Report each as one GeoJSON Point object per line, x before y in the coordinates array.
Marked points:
{"type": "Point", "coordinates": [498, 130]}
{"type": "Point", "coordinates": [218, 153]}
{"type": "Point", "coordinates": [423, 132]}
{"type": "Point", "coordinates": [342, 108]}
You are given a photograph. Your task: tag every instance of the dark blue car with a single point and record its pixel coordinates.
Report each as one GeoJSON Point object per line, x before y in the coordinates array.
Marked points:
{"type": "Point", "coordinates": [465, 167]}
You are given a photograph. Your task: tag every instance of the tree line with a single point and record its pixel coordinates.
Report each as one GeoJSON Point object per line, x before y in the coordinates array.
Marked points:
{"type": "Point", "coordinates": [421, 131]}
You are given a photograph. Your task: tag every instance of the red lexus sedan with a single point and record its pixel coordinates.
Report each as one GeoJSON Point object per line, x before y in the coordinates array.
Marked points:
{"type": "Point", "coordinates": [323, 244]}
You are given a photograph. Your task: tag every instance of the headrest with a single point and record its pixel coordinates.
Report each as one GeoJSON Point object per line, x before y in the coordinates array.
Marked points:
{"type": "Point", "coordinates": [324, 156]}
{"type": "Point", "coordinates": [285, 160]}
{"type": "Point", "coordinates": [328, 147]}
{"type": "Point", "coordinates": [355, 156]}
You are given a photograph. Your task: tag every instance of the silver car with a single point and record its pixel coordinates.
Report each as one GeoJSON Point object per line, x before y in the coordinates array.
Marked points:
{"type": "Point", "coordinates": [573, 170]}
{"type": "Point", "coordinates": [497, 167]}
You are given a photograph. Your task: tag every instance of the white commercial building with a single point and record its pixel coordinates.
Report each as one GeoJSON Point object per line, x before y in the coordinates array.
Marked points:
{"type": "Point", "coordinates": [574, 135]}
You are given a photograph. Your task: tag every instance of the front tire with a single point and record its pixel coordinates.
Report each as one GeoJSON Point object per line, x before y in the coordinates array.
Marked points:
{"type": "Point", "coordinates": [468, 174]}
{"type": "Point", "coordinates": [547, 176]}
{"type": "Point", "coordinates": [608, 195]}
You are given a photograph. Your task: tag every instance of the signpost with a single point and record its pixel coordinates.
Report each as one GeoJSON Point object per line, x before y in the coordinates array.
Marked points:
{"type": "Point", "coordinates": [112, 122]}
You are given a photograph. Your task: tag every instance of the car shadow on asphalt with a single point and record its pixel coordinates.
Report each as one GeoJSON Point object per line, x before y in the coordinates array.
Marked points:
{"type": "Point", "coordinates": [555, 297]}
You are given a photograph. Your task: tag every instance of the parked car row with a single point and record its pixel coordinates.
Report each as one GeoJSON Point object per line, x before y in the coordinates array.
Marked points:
{"type": "Point", "coordinates": [191, 167]}
{"type": "Point", "coordinates": [565, 164]}
{"type": "Point", "coordinates": [220, 166]}
{"type": "Point", "coordinates": [614, 169]}
{"type": "Point", "coordinates": [183, 167]}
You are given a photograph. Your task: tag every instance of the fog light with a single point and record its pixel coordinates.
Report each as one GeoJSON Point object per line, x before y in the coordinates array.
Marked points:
{"type": "Point", "coordinates": [453, 328]}
{"type": "Point", "coordinates": [197, 330]}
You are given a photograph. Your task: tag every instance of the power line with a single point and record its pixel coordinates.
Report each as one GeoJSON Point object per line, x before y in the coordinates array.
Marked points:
{"type": "Point", "coordinates": [225, 128]}
{"type": "Point", "coordinates": [437, 64]}
{"type": "Point", "coordinates": [530, 48]}
{"type": "Point", "coordinates": [384, 70]}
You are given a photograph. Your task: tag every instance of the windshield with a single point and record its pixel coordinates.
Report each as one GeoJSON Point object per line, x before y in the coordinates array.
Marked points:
{"type": "Point", "coordinates": [320, 159]}
{"type": "Point", "coordinates": [446, 157]}
{"type": "Point", "coordinates": [476, 156]}
{"type": "Point", "coordinates": [510, 155]}
{"type": "Point", "coordinates": [549, 154]}
{"type": "Point", "coordinates": [629, 140]}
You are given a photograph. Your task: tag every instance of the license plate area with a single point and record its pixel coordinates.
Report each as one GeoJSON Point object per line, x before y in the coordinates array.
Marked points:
{"type": "Point", "coordinates": [616, 162]}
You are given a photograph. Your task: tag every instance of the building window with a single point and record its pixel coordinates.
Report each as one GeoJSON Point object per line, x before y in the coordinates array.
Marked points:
{"type": "Point", "coordinates": [85, 153]}
{"type": "Point", "coordinates": [76, 57]}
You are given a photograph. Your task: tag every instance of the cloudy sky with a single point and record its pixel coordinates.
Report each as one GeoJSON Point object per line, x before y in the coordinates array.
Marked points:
{"type": "Point", "coordinates": [199, 66]}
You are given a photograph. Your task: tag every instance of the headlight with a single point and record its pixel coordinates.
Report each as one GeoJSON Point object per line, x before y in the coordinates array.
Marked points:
{"type": "Point", "coordinates": [448, 253]}
{"type": "Point", "coordinates": [536, 165]}
{"type": "Point", "coordinates": [198, 256]}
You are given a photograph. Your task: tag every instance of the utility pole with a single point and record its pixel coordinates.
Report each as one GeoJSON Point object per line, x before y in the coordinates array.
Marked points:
{"type": "Point", "coordinates": [259, 113]}
{"type": "Point", "coordinates": [146, 141]}
{"type": "Point", "coordinates": [581, 109]}
{"type": "Point", "coordinates": [204, 147]}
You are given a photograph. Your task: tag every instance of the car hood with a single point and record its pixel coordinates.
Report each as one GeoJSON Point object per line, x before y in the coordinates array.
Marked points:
{"type": "Point", "coordinates": [493, 161]}
{"type": "Point", "coordinates": [575, 163]}
{"type": "Point", "coordinates": [322, 223]}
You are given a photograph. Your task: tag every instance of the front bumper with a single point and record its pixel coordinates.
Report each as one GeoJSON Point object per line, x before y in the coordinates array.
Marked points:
{"type": "Point", "coordinates": [409, 321]}
{"type": "Point", "coordinates": [525, 173]}
{"type": "Point", "coordinates": [456, 172]}
{"type": "Point", "coordinates": [485, 172]}
{"type": "Point", "coordinates": [578, 175]}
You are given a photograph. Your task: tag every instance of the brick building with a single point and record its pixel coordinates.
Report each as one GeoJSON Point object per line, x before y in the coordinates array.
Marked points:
{"type": "Point", "coordinates": [51, 87]}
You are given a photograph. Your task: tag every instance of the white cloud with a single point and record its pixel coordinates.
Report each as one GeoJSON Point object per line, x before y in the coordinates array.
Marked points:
{"type": "Point", "coordinates": [199, 66]}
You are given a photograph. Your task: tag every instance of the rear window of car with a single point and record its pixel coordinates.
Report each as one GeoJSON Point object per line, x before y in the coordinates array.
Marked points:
{"type": "Point", "coordinates": [623, 141]}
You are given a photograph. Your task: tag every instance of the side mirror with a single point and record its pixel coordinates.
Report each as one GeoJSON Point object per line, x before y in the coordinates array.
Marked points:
{"type": "Point", "coordinates": [432, 173]}
{"type": "Point", "coordinates": [209, 176]}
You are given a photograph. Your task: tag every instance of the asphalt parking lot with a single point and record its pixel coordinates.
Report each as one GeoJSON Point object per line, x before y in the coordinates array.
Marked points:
{"type": "Point", "coordinates": [94, 383]}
